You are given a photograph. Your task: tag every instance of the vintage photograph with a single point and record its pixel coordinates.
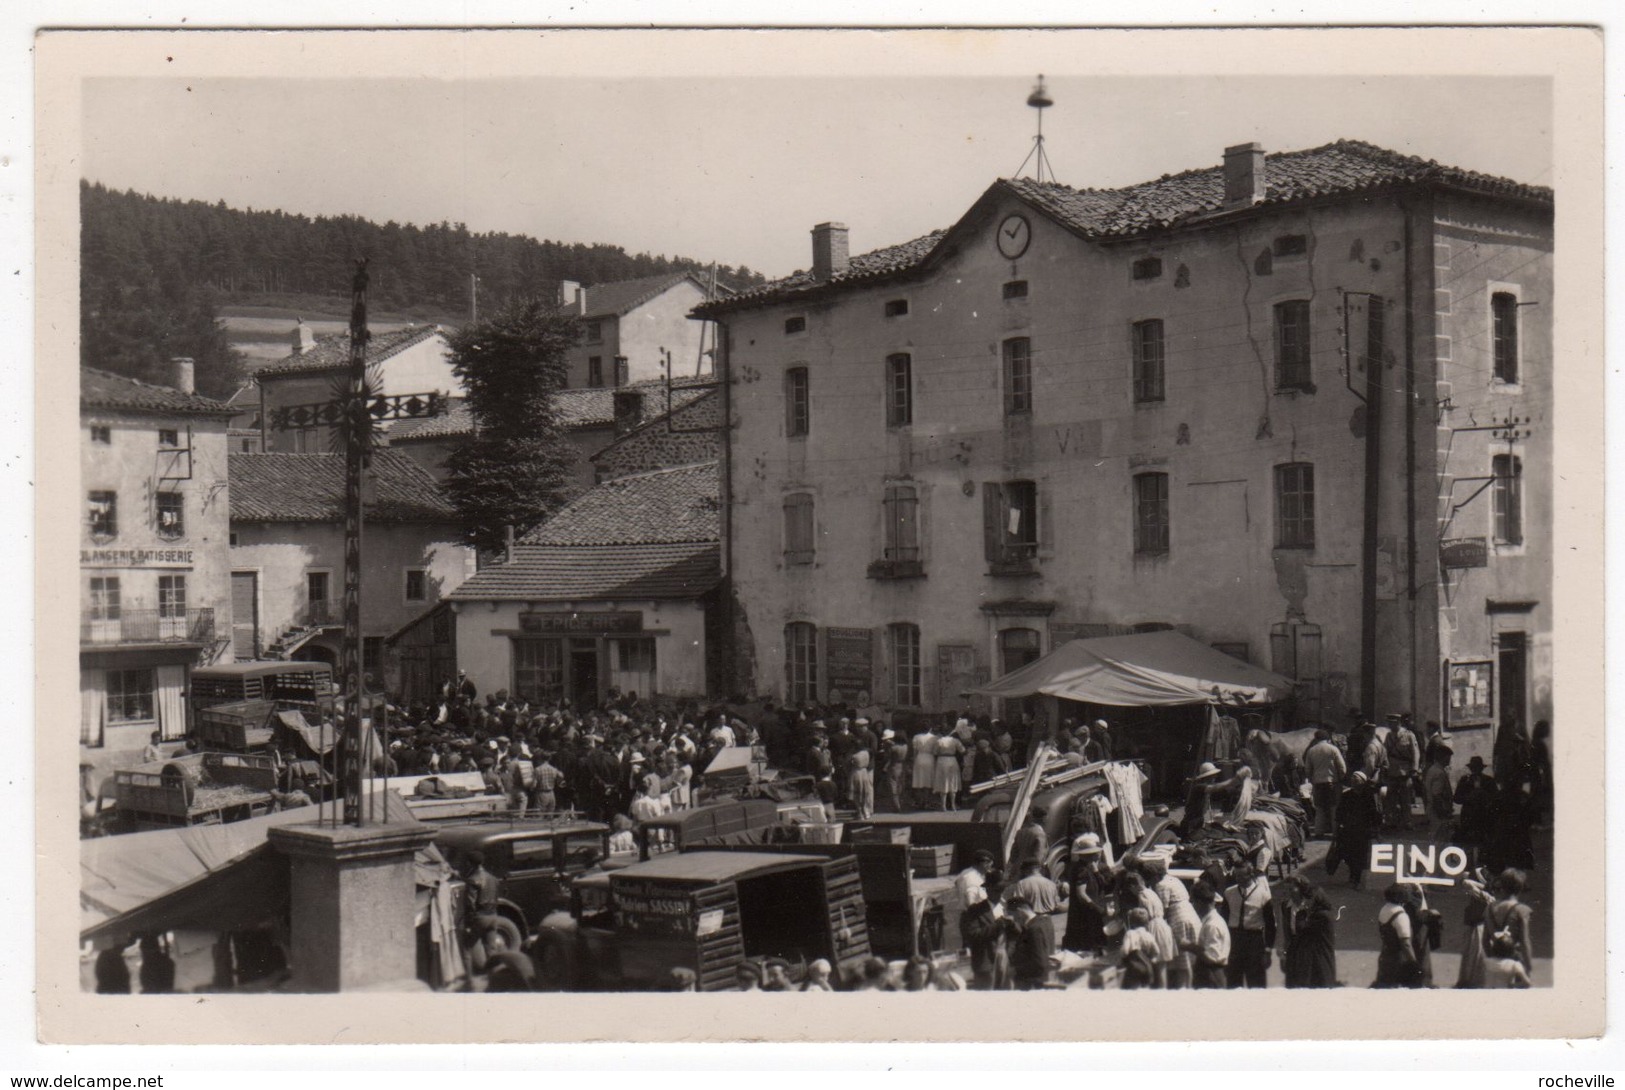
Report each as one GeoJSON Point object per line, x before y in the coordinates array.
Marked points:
{"type": "Point", "coordinates": [955, 530]}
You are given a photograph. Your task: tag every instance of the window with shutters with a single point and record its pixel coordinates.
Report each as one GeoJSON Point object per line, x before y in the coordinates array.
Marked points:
{"type": "Point", "coordinates": [902, 507]}
{"type": "Point", "coordinates": [801, 662]}
{"type": "Point", "coordinates": [1150, 513]}
{"type": "Point", "coordinates": [103, 515]}
{"type": "Point", "coordinates": [798, 528]}
{"type": "Point", "coordinates": [171, 514]}
{"type": "Point", "coordinates": [797, 402]}
{"type": "Point", "coordinates": [1148, 360]}
{"type": "Point", "coordinates": [1292, 345]}
{"type": "Point", "coordinates": [1504, 332]}
{"type": "Point", "coordinates": [1010, 522]}
{"type": "Point", "coordinates": [1507, 470]}
{"type": "Point", "coordinates": [899, 390]}
{"type": "Point", "coordinates": [1295, 506]}
{"type": "Point", "coordinates": [1018, 376]}
{"type": "Point", "coordinates": [906, 669]}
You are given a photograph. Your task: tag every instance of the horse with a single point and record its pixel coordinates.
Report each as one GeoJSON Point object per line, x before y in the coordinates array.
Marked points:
{"type": "Point", "coordinates": [1267, 750]}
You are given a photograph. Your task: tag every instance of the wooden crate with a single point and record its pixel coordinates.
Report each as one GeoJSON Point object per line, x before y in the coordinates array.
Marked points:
{"type": "Point", "coordinates": [932, 861]}
{"type": "Point", "coordinates": [881, 834]}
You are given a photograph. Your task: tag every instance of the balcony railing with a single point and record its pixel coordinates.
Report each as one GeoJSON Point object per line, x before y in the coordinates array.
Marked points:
{"type": "Point", "coordinates": [146, 626]}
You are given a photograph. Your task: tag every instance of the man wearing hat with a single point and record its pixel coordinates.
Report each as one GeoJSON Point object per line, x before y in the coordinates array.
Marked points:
{"type": "Point", "coordinates": [1212, 946]}
{"type": "Point", "coordinates": [1475, 794]}
{"type": "Point", "coordinates": [1359, 815]}
{"type": "Point", "coordinates": [1437, 797]}
{"type": "Point", "coordinates": [1196, 799]}
{"type": "Point", "coordinates": [1404, 763]}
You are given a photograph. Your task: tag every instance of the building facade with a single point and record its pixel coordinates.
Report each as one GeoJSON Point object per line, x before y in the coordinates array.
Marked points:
{"type": "Point", "coordinates": [287, 556]}
{"type": "Point", "coordinates": [627, 326]}
{"type": "Point", "coordinates": [155, 571]}
{"type": "Point", "coordinates": [1238, 401]}
{"type": "Point", "coordinates": [615, 591]}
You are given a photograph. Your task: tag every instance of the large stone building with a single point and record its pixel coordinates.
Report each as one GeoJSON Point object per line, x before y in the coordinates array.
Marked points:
{"type": "Point", "coordinates": [153, 556]}
{"type": "Point", "coordinates": [287, 556]}
{"type": "Point", "coordinates": [1267, 403]}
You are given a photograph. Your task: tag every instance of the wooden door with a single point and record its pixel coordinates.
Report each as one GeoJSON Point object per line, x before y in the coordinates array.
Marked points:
{"type": "Point", "coordinates": [245, 615]}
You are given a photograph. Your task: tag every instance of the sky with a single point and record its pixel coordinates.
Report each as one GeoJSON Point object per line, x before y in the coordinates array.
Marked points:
{"type": "Point", "coordinates": [737, 169]}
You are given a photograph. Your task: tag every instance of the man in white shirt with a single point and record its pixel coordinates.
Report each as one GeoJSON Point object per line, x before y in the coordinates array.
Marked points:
{"type": "Point", "coordinates": [1327, 771]}
{"type": "Point", "coordinates": [1036, 888]}
{"type": "Point", "coordinates": [1254, 934]}
{"type": "Point", "coordinates": [971, 883]}
{"type": "Point", "coordinates": [1212, 948]}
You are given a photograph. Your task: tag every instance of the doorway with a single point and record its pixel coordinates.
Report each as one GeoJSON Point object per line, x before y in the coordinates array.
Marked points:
{"type": "Point", "coordinates": [245, 615]}
{"type": "Point", "coordinates": [1020, 647]}
{"type": "Point", "coordinates": [584, 673]}
{"type": "Point", "coordinates": [1512, 663]}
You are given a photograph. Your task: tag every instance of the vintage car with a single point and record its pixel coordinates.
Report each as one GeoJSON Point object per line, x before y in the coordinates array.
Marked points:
{"type": "Point", "coordinates": [705, 911]}
{"type": "Point", "coordinates": [533, 859]}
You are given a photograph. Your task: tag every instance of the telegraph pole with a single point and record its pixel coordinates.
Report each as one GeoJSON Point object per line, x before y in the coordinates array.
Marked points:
{"type": "Point", "coordinates": [354, 412]}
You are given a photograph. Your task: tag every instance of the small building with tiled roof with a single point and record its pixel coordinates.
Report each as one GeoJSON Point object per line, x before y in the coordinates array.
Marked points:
{"type": "Point", "coordinates": [287, 550]}
{"type": "Point", "coordinates": [1252, 400]}
{"type": "Point", "coordinates": [412, 360]}
{"type": "Point", "coordinates": [627, 326]}
{"type": "Point", "coordinates": [154, 559]}
{"type": "Point", "coordinates": [616, 591]}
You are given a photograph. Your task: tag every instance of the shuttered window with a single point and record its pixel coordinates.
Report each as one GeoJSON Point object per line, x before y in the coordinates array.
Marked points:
{"type": "Point", "coordinates": [1504, 320]}
{"type": "Point", "coordinates": [1292, 345]}
{"type": "Point", "coordinates": [1010, 520]}
{"type": "Point", "coordinates": [902, 507]}
{"type": "Point", "coordinates": [798, 528]}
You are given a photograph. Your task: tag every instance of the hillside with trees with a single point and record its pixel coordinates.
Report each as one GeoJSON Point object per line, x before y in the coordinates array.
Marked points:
{"type": "Point", "coordinates": [155, 272]}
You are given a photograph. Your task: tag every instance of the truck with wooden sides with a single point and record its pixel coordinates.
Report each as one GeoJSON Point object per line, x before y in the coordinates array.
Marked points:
{"type": "Point", "coordinates": [705, 911]}
{"type": "Point", "coordinates": [197, 789]}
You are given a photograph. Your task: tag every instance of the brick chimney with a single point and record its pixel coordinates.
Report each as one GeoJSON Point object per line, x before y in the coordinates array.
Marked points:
{"type": "Point", "coordinates": [830, 257]}
{"type": "Point", "coordinates": [182, 374]}
{"type": "Point", "coordinates": [1243, 175]}
{"type": "Point", "coordinates": [568, 290]}
{"type": "Point", "coordinates": [303, 337]}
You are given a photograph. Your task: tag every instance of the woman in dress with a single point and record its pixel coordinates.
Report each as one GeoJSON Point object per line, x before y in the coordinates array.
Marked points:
{"type": "Point", "coordinates": [896, 766]}
{"type": "Point", "coordinates": [925, 766]}
{"type": "Point", "coordinates": [1507, 923]}
{"type": "Point", "coordinates": [947, 780]}
{"type": "Point", "coordinates": [1311, 940]}
{"type": "Point", "coordinates": [1397, 966]}
{"type": "Point", "coordinates": [1470, 973]}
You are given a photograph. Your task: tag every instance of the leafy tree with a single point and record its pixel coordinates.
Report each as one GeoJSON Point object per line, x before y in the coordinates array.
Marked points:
{"type": "Point", "coordinates": [515, 469]}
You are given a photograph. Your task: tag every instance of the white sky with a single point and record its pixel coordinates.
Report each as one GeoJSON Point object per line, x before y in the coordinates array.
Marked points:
{"type": "Point", "coordinates": [739, 169]}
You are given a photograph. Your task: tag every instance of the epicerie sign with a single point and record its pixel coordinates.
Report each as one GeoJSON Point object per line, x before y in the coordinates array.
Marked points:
{"type": "Point", "coordinates": [1424, 864]}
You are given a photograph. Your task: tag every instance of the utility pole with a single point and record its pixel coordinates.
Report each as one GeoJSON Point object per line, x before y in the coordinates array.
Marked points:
{"type": "Point", "coordinates": [473, 298]}
{"type": "Point", "coordinates": [354, 412]}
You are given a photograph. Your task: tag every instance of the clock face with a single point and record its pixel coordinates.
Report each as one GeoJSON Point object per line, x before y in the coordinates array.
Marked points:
{"type": "Point", "coordinates": [1015, 233]}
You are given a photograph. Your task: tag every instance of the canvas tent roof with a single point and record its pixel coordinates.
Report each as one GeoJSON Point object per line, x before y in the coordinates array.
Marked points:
{"type": "Point", "coordinates": [1149, 669]}
{"type": "Point", "coordinates": [210, 877]}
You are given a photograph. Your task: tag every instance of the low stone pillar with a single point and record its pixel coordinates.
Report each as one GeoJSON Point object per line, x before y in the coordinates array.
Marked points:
{"type": "Point", "coordinates": [353, 897]}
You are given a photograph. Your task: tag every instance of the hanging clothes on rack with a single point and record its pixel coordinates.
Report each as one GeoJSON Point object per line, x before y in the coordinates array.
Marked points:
{"type": "Point", "coordinates": [1124, 783]}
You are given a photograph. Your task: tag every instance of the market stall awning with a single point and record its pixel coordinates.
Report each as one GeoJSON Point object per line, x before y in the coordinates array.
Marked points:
{"type": "Point", "coordinates": [210, 877]}
{"type": "Point", "coordinates": [1150, 669]}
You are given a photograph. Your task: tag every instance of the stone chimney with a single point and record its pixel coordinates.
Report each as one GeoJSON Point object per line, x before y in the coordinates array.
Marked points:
{"type": "Point", "coordinates": [628, 410]}
{"type": "Point", "coordinates": [1243, 175]}
{"type": "Point", "coordinates": [303, 337]}
{"type": "Point", "coordinates": [568, 291]}
{"type": "Point", "coordinates": [182, 374]}
{"type": "Point", "coordinates": [581, 300]}
{"type": "Point", "coordinates": [830, 257]}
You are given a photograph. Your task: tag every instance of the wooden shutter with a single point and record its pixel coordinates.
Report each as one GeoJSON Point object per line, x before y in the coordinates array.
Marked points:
{"type": "Point", "coordinates": [993, 520]}
{"type": "Point", "coordinates": [1046, 519]}
{"type": "Point", "coordinates": [92, 706]}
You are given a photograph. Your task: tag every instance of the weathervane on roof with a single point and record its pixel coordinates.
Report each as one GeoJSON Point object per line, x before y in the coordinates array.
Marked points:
{"type": "Point", "coordinates": [1038, 100]}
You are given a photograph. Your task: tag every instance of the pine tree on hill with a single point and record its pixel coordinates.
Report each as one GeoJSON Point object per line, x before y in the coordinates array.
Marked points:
{"type": "Point", "coordinates": [515, 469]}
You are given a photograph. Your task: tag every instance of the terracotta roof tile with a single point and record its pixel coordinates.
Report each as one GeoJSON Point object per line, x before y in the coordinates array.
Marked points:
{"type": "Point", "coordinates": [619, 296]}
{"type": "Point", "coordinates": [541, 573]}
{"type": "Point", "coordinates": [105, 390]}
{"type": "Point", "coordinates": [1343, 167]}
{"type": "Point", "coordinates": [332, 351]}
{"type": "Point", "coordinates": [310, 488]}
{"type": "Point", "coordinates": [664, 505]}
